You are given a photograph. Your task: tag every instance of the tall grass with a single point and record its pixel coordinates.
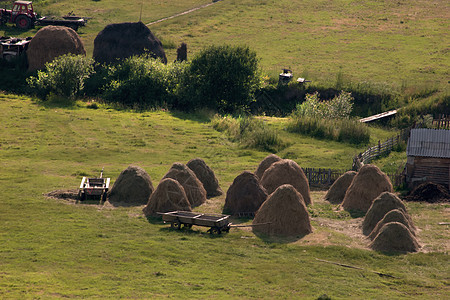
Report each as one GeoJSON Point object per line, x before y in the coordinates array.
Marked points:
{"type": "Point", "coordinates": [341, 130]}
{"type": "Point", "coordinates": [250, 132]}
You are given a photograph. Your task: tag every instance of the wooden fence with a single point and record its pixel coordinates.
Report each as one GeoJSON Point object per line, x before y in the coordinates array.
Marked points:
{"type": "Point", "coordinates": [322, 177]}
{"type": "Point", "coordinates": [383, 148]}
{"type": "Point", "coordinates": [442, 122]}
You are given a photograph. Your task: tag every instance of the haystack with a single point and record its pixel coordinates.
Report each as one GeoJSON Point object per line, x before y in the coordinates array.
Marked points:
{"type": "Point", "coordinates": [123, 40]}
{"type": "Point", "coordinates": [245, 195]}
{"type": "Point", "coordinates": [206, 177]}
{"type": "Point", "coordinates": [192, 186]}
{"type": "Point", "coordinates": [368, 184]}
{"type": "Point", "coordinates": [265, 164]}
{"type": "Point", "coordinates": [286, 171]}
{"type": "Point", "coordinates": [338, 189]}
{"type": "Point", "coordinates": [395, 215]}
{"type": "Point", "coordinates": [168, 196]}
{"type": "Point", "coordinates": [429, 192]}
{"type": "Point", "coordinates": [286, 212]}
{"type": "Point", "coordinates": [51, 42]}
{"type": "Point", "coordinates": [395, 237]}
{"type": "Point", "coordinates": [384, 203]}
{"type": "Point", "coordinates": [133, 186]}
{"type": "Point", "coordinates": [182, 53]}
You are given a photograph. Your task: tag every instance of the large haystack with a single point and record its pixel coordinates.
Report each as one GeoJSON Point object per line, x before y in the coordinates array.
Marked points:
{"type": "Point", "coordinates": [265, 164]}
{"type": "Point", "coordinates": [123, 40]}
{"type": "Point", "coordinates": [245, 195]}
{"type": "Point", "coordinates": [51, 42]}
{"type": "Point", "coordinates": [384, 203]}
{"type": "Point", "coordinates": [368, 184]}
{"type": "Point", "coordinates": [192, 186]}
{"type": "Point", "coordinates": [168, 196]}
{"type": "Point", "coordinates": [395, 237]}
{"type": "Point", "coordinates": [338, 189]}
{"type": "Point", "coordinates": [286, 212]}
{"type": "Point", "coordinates": [395, 215]}
{"type": "Point", "coordinates": [286, 171]}
{"type": "Point", "coordinates": [133, 186]}
{"type": "Point", "coordinates": [206, 177]}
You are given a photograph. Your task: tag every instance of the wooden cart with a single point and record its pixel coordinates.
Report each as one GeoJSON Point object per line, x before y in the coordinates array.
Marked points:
{"type": "Point", "coordinates": [94, 188]}
{"type": "Point", "coordinates": [218, 223]}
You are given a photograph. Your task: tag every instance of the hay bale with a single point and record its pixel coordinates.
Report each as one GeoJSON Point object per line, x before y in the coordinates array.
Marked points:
{"type": "Point", "coordinates": [206, 177]}
{"type": "Point", "coordinates": [265, 164]}
{"type": "Point", "coordinates": [192, 186]}
{"type": "Point", "coordinates": [395, 237]}
{"type": "Point", "coordinates": [245, 195]}
{"type": "Point", "coordinates": [286, 171]}
{"type": "Point", "coordinates": [168, 196]}
{"type": "Point", "coordinates": [133, 186]}
{"type": "Point", "coordinates": [338, 189]}
{"type": "Point", "coordinates": [51, 42]}
{"type": "Point", "coordinates": [286, 212]}
{"type": "Point", "coordinates": [366, 186]}
{"type": "Point", "coordinates": [381, 205]}
{"type": "Point", "coordinates": [123, 40]}
{"type": "Point", "coordinates": [395, 215]}
{"type": "Point", "coordinates": [429, 192]}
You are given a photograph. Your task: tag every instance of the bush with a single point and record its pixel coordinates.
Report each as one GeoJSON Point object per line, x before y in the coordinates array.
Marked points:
{"type": "Point", "coordinates": [342, 130]}
{"type": "Point", "coordinates": [339, 107]}
{"type": "Point", "coordinates": [143, 81]}
{"type": "Point", "coordinates": [64, 76]}
{"type": "Point", "coordinates": [249, 132]}
{"type": "Point", "coordinates": [221, 78]}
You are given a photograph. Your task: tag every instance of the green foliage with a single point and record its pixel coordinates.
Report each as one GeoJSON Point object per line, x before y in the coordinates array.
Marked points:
{"type": "Point", "coordinates": [250, 132]}
{"type": "Point", "coordinates": [340, 107]}
{"type": "Point", "coordinates": [222, 78]}
{"type": "Point", "coordinates": [64, 76]}
{"type": "Point", "coordinates": [143, 81]}
{"type": "Point", "coordinates": [342, 130]}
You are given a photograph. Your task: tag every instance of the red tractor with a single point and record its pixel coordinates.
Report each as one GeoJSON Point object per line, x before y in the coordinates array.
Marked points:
{"type": "Point", "coordinates": [22, 14]}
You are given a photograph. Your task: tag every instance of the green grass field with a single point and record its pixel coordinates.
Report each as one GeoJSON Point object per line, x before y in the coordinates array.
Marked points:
{"type": "Point", "coordinates": [52, 248]}
{"type": "Point", "coordinates": [400, 44]}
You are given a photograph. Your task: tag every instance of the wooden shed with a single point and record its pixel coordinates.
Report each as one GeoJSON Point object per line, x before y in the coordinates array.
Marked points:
{"type": "Point", "coordinates": [428, 157]}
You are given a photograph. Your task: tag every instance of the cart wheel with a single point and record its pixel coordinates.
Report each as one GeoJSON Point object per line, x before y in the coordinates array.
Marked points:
{"type": "Point", "coordinates": [175, 224]}
{"type": "Point", "coordinates": [23, 22]}
{"type": "Point", "coordinates": [188, 226]}
{"type": "Point", "coordinates": [81, 196]}
{"type": "Point", "coordinates": [215, 230]}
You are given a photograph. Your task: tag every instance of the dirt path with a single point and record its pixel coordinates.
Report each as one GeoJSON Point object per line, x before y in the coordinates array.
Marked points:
{"type": "Point", "coordinates": [183, 13]}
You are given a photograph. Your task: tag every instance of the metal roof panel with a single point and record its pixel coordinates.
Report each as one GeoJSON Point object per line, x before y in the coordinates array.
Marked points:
{"type": "Point", "coordinates": [429, 143]}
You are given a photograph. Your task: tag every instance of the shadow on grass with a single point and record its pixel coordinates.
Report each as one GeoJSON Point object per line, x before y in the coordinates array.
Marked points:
{"type": "Point", "coordinates": [279, 239]}
{"type": "Point", "coordinates": [199, 116]}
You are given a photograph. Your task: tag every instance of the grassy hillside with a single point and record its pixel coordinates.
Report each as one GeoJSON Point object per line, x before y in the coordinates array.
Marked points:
{"type": "Point", "coordinates": [55, 248]}
{"type": "Point", "coordinates": [399, 44]}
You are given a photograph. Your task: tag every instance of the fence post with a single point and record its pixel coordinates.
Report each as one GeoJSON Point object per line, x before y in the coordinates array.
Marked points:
{"type": "Point", "coordinates": [329, 176]}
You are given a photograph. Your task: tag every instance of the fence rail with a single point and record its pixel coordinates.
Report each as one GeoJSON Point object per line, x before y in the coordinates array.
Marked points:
{"type": "Point", "coordinates": [383, 148]}
{"type": "Point", "coordinates": [323, 177]}
{"type": "Point", "coordinates": [442, 122]}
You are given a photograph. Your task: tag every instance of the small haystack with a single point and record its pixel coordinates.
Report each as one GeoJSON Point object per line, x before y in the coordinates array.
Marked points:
{"type": "Point", "coordinates": [168, 196]}
{"type": "Point", "coordinates": [265, 164]}
{"type": "Point", "coordinates": [384, 203]}
{"type": "Point", "coordinates": [286, 171]}
{"type": "Point", "coordinates": [133, 186]}
{"type": "Point", "coordinates": [123, 40]}
{"type": "Point", "coordinates": [51, 42]}
{"type": "Point", "coordinates": [368, 184]}
{"type": "Point", "coordinates": [395, 237]}
{"type": "Point", "coordinates": [206, 177]}
{"type": "Point", "coordinates": [245, 195]}
{"type": "Point", "coordinates": [429, 192]}
{"type": "Point", "coordinates": [192, 186]}
{"type": "Point", "coordinates": [337, 191]}
{"type": "Point", "coordinates": [286, 212]}
{"type": "Point", "coordinates": [182, 53]}
{"type": "Point", "coordinates": [395, 215]}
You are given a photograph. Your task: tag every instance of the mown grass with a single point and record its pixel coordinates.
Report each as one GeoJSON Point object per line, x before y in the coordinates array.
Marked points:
{"type": "Point", "coordinates": [53, 249]}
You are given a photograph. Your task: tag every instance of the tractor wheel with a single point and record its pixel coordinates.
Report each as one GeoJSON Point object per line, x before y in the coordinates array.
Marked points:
{"type": "Point", "coordinates": [23, 22]}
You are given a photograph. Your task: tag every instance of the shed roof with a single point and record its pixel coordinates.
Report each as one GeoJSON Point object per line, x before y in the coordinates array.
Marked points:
{"type": "Point", "coordinates": [429, 143]}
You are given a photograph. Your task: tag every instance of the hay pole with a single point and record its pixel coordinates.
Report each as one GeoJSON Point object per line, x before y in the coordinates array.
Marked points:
{"type": "Point", "coordinates": [354, 267]}
{"type": "Point", "coordinates": [444, 223]}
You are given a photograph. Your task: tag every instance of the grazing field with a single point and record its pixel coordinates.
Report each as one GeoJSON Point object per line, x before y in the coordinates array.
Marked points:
{"type": "Point", "coordinates": [395, 44]}
{"type": "Point", "coordinates": [53, 248]}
